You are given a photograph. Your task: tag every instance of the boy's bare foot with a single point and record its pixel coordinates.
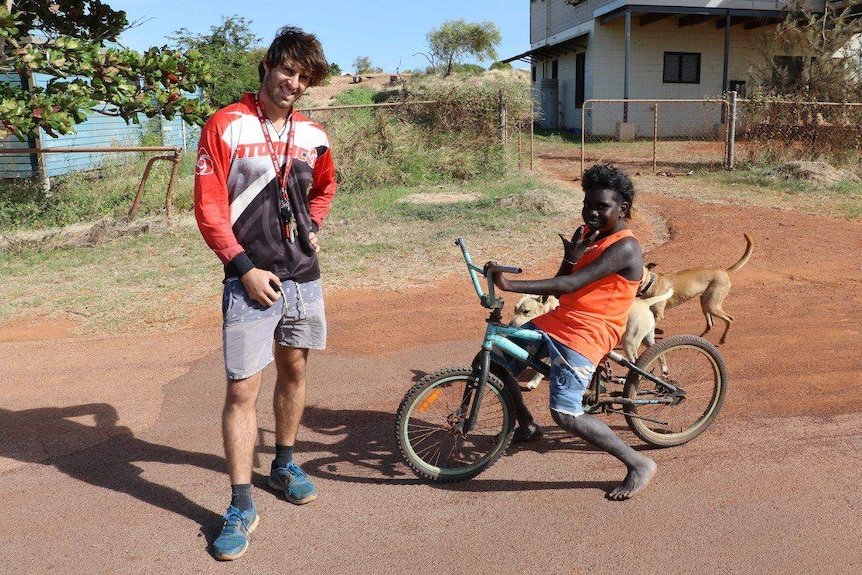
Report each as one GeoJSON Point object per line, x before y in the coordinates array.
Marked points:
{"type": "Point", "coordinates": [636, 479]}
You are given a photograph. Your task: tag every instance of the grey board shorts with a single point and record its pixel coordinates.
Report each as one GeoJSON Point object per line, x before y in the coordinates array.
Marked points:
{"type": "Point", "coordinates": [296, 320]}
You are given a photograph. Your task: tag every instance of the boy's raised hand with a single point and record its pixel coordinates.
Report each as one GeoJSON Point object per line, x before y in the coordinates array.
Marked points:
{"type": "Point", "coordinates": [573, 249]}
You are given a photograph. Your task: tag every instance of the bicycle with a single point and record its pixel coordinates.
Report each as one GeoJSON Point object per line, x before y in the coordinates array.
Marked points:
{"type": "Point", "coordinates": [455, 423]}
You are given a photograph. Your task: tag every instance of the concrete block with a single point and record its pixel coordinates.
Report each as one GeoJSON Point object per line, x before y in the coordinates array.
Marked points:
{"type": "Point", "coordinates": [626, 131]}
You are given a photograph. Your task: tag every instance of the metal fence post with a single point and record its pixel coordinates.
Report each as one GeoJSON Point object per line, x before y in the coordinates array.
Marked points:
{"type": "Point", "coordinates": [503, 119]}
{"type": "Point", "coordinates": [654, 137]}
{"type": "Point", "coordinates": [532, 132]}
{"type": "Point", "coordinates": [731, 130]}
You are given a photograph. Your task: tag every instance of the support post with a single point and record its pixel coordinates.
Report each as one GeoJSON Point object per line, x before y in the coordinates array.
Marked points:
{"type": "Point", "coordinates": [731, 131]}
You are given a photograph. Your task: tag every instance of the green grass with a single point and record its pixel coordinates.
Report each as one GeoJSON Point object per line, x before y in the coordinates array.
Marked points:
{"type": "Point", "coordinates": [87, 196]}
{"type": "Point", "coordinates": [767, 186]}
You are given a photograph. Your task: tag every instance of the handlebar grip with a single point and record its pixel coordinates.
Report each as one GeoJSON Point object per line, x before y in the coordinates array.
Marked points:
{"type": "Point", "coordinates": [504, 269]}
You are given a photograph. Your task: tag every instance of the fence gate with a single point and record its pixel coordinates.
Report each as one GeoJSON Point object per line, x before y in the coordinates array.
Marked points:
{"type": "Point", "coordinates": [658, 135]}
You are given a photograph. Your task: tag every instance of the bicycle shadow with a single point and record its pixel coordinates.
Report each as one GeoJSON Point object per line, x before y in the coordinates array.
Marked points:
{"type": "Point", "coordinates": [110, 457]}
{"type": "Point", "coordinates": [361, 447]}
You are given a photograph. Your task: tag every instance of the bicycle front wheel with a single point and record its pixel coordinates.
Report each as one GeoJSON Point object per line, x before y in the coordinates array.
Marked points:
{"type": "Point", "coordinates": [431, 425]}
{"type": "Point", "coordinates": [689, 362]}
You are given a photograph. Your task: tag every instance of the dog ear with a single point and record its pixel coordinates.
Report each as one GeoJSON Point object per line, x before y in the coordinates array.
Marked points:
{"type": "Point", "coordinates": [650, 266]}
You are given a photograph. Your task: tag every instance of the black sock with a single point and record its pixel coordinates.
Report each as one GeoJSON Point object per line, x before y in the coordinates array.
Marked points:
{"type": "Point", "coordinates": [240, 496]}
{"type": "Point", "coordinates": [283, 455]}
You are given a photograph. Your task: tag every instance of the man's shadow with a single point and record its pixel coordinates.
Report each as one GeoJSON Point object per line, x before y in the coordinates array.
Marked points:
{"type": "Point", "coordinates": [45, 436]}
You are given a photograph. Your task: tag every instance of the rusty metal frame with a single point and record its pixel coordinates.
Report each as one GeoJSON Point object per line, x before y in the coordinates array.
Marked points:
{"type": "Point", "coordinates": [174, 156]}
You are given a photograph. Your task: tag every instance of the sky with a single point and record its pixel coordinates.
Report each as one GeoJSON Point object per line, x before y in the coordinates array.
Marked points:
{"type": "Point", "coordinates": [389, 32]}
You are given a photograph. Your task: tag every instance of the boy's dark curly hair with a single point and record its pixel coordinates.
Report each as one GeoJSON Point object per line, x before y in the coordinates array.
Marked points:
{"type": "Point", "coordinates": [607, 177]}
{"type": "Point", "coordinates": [301, 48]}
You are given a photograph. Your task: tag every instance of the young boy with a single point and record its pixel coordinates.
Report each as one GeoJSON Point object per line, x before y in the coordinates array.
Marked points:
{"type": "Point", "coordinates": [596, 283]}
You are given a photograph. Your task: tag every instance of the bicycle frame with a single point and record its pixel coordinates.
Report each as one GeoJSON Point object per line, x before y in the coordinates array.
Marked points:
{"type": "Point", "coordinates": [497, 334]}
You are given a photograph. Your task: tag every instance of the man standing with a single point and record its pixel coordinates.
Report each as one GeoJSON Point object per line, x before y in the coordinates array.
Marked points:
{"type": "Point", "coordinates": [264, 182]}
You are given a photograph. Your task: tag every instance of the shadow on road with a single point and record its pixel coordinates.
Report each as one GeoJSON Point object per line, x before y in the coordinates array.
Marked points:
{"type": "Point", "coordinates": [109, 457]}
{"type": "Point", "coordinates": [364, 449]}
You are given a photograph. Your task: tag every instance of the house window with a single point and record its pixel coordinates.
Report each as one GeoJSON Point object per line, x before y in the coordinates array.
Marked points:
{"type": "Point", "coordinates": [681, 68]}
{"type": "Point", "coordinates": [534, 74]}
{"type": "Point", "coordinates": [555, 66]}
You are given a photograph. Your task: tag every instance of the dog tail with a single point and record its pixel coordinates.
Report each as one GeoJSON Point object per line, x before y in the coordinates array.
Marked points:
{"type": "Point", "coordinates": [744, 259]}
{"type": "Point", "coordinates": [650, 301]}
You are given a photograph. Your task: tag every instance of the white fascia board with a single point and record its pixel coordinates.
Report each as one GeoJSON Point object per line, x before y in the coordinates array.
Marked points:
{"type": "Point", "coordinates": [767, 5]}
{"type": "Point", "coordinates": [573, 32]}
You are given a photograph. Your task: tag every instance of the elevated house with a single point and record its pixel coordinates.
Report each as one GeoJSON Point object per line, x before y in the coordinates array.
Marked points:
{"type": "Point", "coordinates": [642, 49]}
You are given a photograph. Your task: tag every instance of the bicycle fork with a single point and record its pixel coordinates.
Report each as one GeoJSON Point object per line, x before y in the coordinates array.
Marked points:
{"type": "Point", "coordinates": [475, 391]}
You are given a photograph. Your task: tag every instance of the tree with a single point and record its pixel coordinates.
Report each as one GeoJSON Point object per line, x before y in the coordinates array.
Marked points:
{"type": "Point", "coordinates": [362, 65]}
{"type": "Point", "coordinates": [814, 57]}
{"type": "Point", "coordinates": [456, 39]}
{"type": "Point", "coordinates": [74, 43]}
{"type": "Point", "coordinates": [334, 69]}
{"type": "Point", "coordinates": [232, 52]}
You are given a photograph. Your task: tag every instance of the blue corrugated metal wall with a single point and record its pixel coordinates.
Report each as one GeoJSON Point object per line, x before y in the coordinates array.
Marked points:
{"type": "Point", "coordinates": [98, 131]}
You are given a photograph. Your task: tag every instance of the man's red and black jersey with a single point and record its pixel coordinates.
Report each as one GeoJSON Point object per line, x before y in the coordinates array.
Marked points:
{"type": "Point", "coordinates": [237, 193]}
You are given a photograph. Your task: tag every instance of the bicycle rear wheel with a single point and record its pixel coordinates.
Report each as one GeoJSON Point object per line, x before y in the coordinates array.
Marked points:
{"type": "Point", "coordinates": [430, 426]}
{"type": "Point", "coordinates": [687, 361]}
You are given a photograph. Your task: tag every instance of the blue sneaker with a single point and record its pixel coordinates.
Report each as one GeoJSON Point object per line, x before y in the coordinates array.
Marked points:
{"type": "Point", "coordinates": [232, 542]}
{"type": "Point", "coordinates": [294, 482]}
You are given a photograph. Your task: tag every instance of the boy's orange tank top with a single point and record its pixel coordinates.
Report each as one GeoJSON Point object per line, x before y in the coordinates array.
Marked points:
{"type": "Point", "coordinates": [592, 320]}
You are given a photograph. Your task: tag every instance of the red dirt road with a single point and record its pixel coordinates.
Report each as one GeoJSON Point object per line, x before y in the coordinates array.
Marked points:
{"type": "Point", "coordinates": [111, 462]}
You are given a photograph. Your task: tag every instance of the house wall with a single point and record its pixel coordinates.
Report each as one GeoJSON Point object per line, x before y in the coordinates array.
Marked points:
{"type": "Point", "coordinates": [648, 45]}
{"type": "Point", "coordinates": [605, 67]}
{"type": "Point", "coordinates": [15, 165]}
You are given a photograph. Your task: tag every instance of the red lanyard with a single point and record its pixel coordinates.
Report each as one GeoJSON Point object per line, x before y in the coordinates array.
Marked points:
{"type": "Point", "coordinates": [280, 176]}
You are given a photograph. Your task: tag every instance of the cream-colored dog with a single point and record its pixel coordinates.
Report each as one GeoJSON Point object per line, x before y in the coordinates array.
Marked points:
{"type": "Point", "coordinates": [528, 307]}
{"type": "Point", "coordinates": [640, 327]}
{"type": "Point", "coordinates": [711, 283]}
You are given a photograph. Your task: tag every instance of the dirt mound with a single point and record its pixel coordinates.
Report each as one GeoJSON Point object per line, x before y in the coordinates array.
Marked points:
{"type": "Point", "coordinates": [819, 172]}
{"type": "Point", "coordinates": [89, 234]}
{"type": "Point", "coordinates": [324, 95]}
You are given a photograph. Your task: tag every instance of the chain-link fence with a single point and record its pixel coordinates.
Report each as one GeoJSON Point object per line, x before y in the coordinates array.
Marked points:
{"type": "Point", "coordinates": [769, 131]}
{"type": "Point", "coordinates": [656, 135]}
{"type": "Point", "coordinates": [676, 136]}
{"type": "Point", "coordinates": [424, 141]}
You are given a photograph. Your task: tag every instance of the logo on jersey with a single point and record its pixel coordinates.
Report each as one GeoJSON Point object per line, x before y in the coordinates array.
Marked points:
{"type": "Point", "coordinates": [307, 156]}
{"type": "Point", "coordinates": [205, 164]}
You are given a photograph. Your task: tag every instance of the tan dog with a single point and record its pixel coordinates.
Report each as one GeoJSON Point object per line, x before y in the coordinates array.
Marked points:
{"type": "Point", "coordinates": [528, 307]}
{"type": "Point", "coordinates": [711, 283]}
{"type": "Point", "coordinates": [640, 327]}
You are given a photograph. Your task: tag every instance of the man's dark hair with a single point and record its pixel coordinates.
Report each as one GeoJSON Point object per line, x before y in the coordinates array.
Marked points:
{"type": "Point", "coordinates": [607, 177]}
{"type": "Point", "coordinates": [301, 48]}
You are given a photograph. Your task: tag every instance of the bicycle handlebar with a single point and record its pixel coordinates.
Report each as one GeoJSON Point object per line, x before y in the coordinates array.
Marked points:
{"type": "Point", "coordinates": [488, 300]}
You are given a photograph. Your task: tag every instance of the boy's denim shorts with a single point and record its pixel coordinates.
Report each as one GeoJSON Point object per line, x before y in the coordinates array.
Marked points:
{"type": "Point", "coordinates": [296, 320]}
{"type": "Point", "coordinates": [570, 371]}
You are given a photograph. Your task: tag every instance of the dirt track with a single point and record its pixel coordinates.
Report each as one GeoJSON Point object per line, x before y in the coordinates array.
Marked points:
{"type": "Point", "coordinates": [110, 459]}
